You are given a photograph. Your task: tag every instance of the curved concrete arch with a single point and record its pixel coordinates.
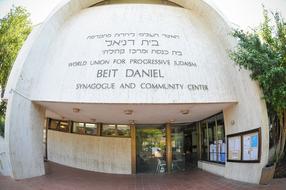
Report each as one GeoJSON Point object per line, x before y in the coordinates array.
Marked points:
{"type": "Point", "coordinates": [25, 119]}
{"type": "Point", "coordinates": [45, 33]}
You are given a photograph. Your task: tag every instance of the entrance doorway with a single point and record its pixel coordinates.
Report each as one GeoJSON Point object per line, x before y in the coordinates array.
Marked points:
{"type": "Point", "coordinates": [178, 147]}
{"type": "Point", "coordinates": [184, 141]}
{"type": "Point", "coordinates": [151, 148]}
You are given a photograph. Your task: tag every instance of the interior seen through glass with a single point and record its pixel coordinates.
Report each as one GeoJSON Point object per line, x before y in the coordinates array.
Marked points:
{"type": "Point", "coordinates": [203, 140]}
{"type": "Point", "coordinates": [186, 143]}
{"type": "Point", "coordinates": [151, 149]}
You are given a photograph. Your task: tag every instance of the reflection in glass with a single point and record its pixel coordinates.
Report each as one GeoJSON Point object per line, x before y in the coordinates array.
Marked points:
{"type": "Point", "coordinates": [108, 130]}
{"type": "Point", "coordinates": [78, 128]}
{"type": "Point", "coordinates": [64, 126]}
{"type": "Point", "coordinates": [184, 147]}
{"type": "Point", "coordinates": [220, 129]}
{"type": "Point", "coordinates": [54, 124]}
{"type": "Point", "coordinates": [192, 159]}
{"type": "Point", "coordinates": [115, 130]}
{"type": "Point", "coordinates": [90, 128]}
{"type": "Point", "coordinates": [221, 146]}
{"type": "Point", "coordinates": [204, 137]}
{"type": "Point", "coordinates": [212, 142]}
{"type": "Point", "coordinates": [84, 128]}
{"type": "Point", "coordinates": [151, 149]}
{"type": "Point", "coordinates": [213, 139]}
{"type": "Point", "coordinates": [178, 150]}
{"type": "Point", "coordinates": [123, 130]}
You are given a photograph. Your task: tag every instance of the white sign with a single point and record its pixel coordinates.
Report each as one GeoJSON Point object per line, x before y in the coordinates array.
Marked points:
{"type": "Point", "coordinates": [234, 148]}
{"type": "Point", "coordinates": [250, 146]}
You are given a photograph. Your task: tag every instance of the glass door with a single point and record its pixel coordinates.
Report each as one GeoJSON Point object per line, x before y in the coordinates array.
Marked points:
{"type": "Point", "coordinates": [150, 149]}
{"type": "Point", "coordinates": [184, 146]}
{"type": "Point", "coordinates": [178, 148]}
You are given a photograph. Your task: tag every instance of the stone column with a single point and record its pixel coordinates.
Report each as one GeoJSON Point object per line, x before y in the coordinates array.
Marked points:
{"type": "Point", "coordinates": [24, 135]}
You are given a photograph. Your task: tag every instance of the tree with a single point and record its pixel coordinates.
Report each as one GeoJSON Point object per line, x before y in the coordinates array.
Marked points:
{"type": "Point", "coordinates": [14, 29]}
{"type": "Point", "coordinates": [263, 52]}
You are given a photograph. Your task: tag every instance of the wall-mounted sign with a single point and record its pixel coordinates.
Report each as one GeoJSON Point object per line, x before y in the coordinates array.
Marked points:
{"type": "Point", "coordinates": [244, 146]}
{"type": "Point", "coordinates": [164, 60]}
{"type": "Point", "coordinates": [234, 148]}
{"type": "Point", "coordinates": [250, 146]}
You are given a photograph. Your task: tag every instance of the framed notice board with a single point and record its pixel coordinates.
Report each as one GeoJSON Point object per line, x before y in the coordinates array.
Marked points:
{"type": "Point", "coordinates": [234, 148]}
{"type": "Point", "coordinates": [244, 146]}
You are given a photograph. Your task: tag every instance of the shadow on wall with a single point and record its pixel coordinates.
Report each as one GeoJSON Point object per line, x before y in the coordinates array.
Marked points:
{"type": "Point", "coordinates": [2, 126]}
{"type": "Point", "coordinates": [4, 167]}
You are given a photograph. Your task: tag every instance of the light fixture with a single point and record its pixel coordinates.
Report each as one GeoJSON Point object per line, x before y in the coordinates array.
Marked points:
{"type": "Point", "coordinates": [75, 110]}
{"type": "Point", "coordinates": [128, 112]}
{"type": "Point", "coordinates": [171, 120]}
{"type": "Point", "coordinates": [185, 112]}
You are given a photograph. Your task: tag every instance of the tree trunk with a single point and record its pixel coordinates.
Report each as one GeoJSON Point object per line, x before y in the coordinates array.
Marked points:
{"type": "Point", "coordinates": [274, 138]}
{"type": "Point", "coordinates": [278, 145]}
{"type": "Point", "coordinates": [283, 134]}
{"type": "Point", "coordinates": [281, 131]}
{"type": "Point", "coordinates": [2, 91]}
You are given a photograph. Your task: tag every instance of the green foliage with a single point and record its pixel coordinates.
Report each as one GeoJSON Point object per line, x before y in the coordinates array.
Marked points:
{"type": "Point", "coordinates": [2, 113]}
{"type": "Point", "coordinates": [149, 138]}
{"type": "Point", "coordinates": [14, 29]}
{"type": "Point", "coordinates": [263, 52]}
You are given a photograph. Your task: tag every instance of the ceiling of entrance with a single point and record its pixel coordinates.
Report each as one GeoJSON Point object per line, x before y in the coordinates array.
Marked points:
{"type": "Point", "coordinates": [126, 113]}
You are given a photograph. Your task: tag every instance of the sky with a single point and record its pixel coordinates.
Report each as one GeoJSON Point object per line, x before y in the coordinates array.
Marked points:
{"type": "Point", "coordinates": [242, 13]}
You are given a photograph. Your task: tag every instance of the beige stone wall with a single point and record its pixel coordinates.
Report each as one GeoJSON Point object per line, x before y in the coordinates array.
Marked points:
{"type": "Point", "coordinates": [214, 168]}
{"type": "Point", "coordinates": [24, 137]}
{"type": "Point", "coordinates": [193, 40]}
{"type": "Point", "coordinates": [4, 166]}
{"type": "Point", "coordinates": [101, 154]}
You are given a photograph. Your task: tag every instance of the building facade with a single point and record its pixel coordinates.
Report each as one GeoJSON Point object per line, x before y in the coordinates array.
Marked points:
{"type": "Point", "coordinates": [134, 87]}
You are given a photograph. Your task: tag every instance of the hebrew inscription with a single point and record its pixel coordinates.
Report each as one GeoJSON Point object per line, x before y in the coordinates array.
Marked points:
{"type": "Point", "coordinates": [131, 56]}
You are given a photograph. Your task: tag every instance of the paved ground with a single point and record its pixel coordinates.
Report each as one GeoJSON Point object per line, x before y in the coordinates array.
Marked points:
{"type": "Point", "coordinates": [64, 178]}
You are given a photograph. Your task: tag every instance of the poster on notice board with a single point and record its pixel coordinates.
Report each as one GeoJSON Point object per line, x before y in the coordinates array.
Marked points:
{"type": "Point", "coordinates": [234, 148]}
{"type": "Point", "coordinates": [250, 146]}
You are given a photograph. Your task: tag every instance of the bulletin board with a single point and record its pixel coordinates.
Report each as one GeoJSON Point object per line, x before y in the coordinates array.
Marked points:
{"type": "Point", "coordinates": [234, 148]}
{"type": "Point", "coordinates": [244, 146]}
